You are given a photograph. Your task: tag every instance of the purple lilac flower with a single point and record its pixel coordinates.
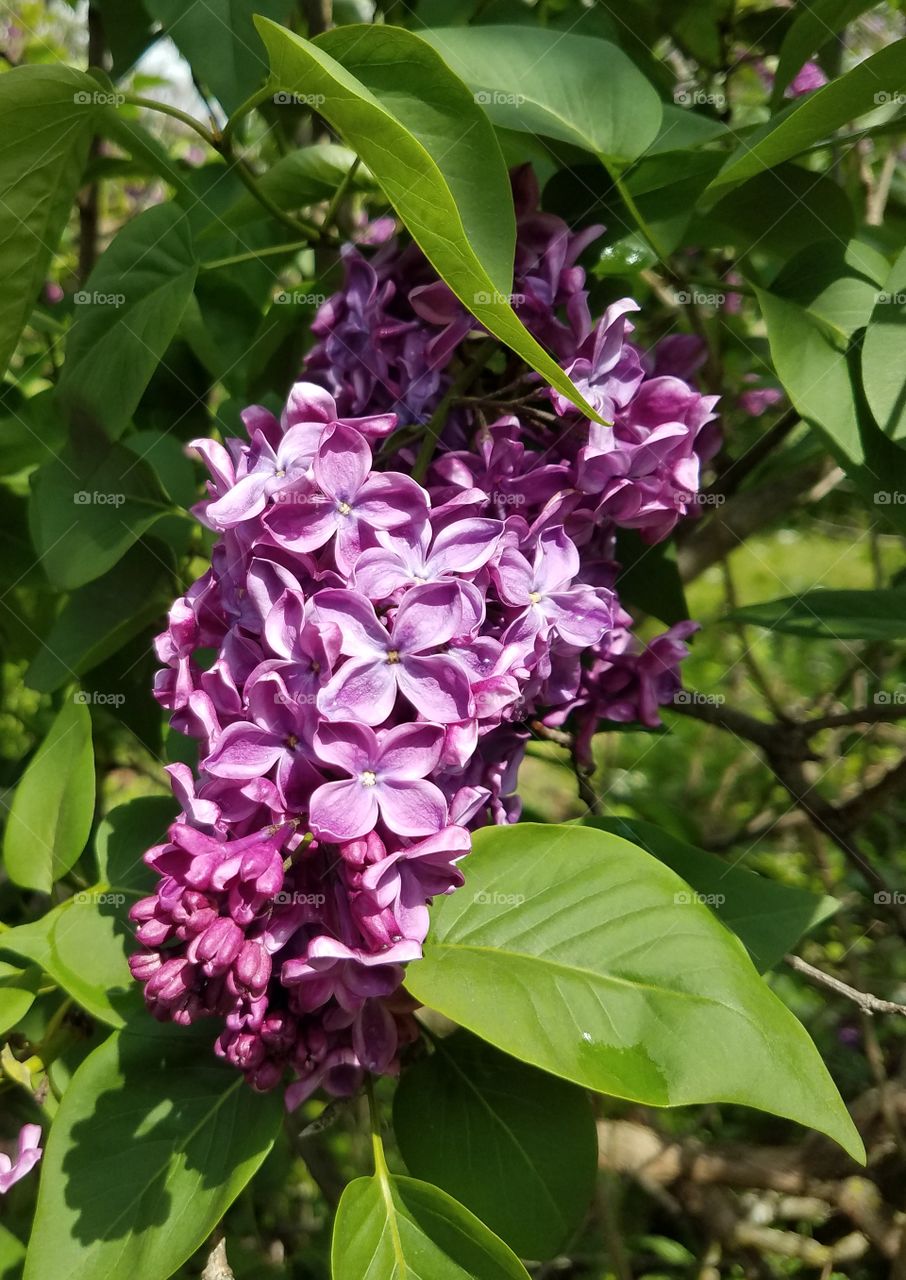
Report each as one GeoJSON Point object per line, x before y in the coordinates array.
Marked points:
{"type": "Point", "coordinates": [28, 1154]}
{"type": "Point", "coordinates": [382, 649]}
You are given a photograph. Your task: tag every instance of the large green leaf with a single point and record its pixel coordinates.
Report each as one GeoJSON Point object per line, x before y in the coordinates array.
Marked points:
{"type": "Point", "coordinates": [126, 317]}
{"type": "Point", "coordinates": [573, 88]}
{"type": "Point", "coordinates": [883, 372]}
{"type": "Point", "coordinates": [433, 151]}
{"type": "Point", "coordinates": [53, 806]}
{"type": "Point", "coordinates": [395, 1228]}
{"type": "Point", "coordinates": [99, 618]}
{"type": "Point", "coordinates": [88, 507]}
{"type": "Point", "coordinates": [47, 116]}
{"type": "Point", "coordinates": [832, 615]}
{"type": "Point", "coordinates": [515, 1145]}
{"type": "Point", "coordinates": [816, 116]}
{"type": "Point", "coordinates": [153, 1141]}
{"type": "Point", "coordinates": [219, 41]}
{"type": "Point", "coordinates": [814, 26]}
{"type": "Point", "coordinates": [83, 943]}
{"type": "Point", "coordinates": [770, 918]}
{"type": "Point", "coordinates": [579, 952]}
{"type": "Point", "coordinates": [18, 988]}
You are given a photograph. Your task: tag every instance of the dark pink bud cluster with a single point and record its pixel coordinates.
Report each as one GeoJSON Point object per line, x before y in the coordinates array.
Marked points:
{"type": "Point", "coordinates": [363, 663]}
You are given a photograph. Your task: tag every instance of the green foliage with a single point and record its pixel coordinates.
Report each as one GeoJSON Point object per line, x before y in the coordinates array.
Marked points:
{"type": "Point", "coordinates": [565, 949]}
{"type": "Point", "coordinates": [516, 1146]}
{"type": "Point", "coordinates": [51, 813]}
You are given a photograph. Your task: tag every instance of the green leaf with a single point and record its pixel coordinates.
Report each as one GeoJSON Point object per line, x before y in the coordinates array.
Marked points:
{"type": "Point", "coordinates": [18, 988]}
{"type": "Point", "coordinates": [126, 317]}
{"type": "Point", "coordinates": [882, 354]}
{"type": "Point", "coordinates": [47, 116]}
{"type": "Point", "coordinates": [219, 41]}
{"type": "Point", "coordinates": [84, 942]}
{"type": "Point", "coordinates": [394, 1228]}
{"type": "Point", "coordinates": [99, 618]}
{"type": "Point", "coordinates": [816, 116]}
{"type": "Point", "coordinates": [780, 212]}
{"type": "Point", "coordinates": [814, 26]}
{"type": "Point", "coordinates": [573, 88]}
{"type": "Point", "coordinates": [87, 509]}
{"type": "Point", "coordinates": [53, 806]}
{"type": "Point", "coordinates": [577, 951]}
{"type": "Point", "coordinates": [649, 578]}
{"type": "Point", "coordinates": [516, 1146]}
{"type": "Point", "coordinates": [299, 179]}
{"type": "Point", "coordinates": [832, 615]}
{"type": "Point", "coordinates": [769, 918]}
{"type": "Point", "coordinates": [127, 32]}
{"type": "Point", "coordinates": [12, 1254]}
{"type": "Point", "coordinates": [153, 1141]}
{"type": "Point", "coordinates": [433, 151]}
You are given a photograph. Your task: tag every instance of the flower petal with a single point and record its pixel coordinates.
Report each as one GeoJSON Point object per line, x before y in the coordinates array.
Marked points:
{"type": "Point", "coordinates": [412, 808]}
{"type": "Point", "coordinates": [437, 687]}
{"type": "Point", "coordinates": [343, 810]}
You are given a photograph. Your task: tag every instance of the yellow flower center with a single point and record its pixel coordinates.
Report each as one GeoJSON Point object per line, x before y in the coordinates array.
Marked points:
{"type": "Point", "coordinates": [344, 508]}
{"type": "Point", "coordinates": [393, 656]}
{"type": "Point", "coordinates": [368, 778]}
{"type": "Point", "coordinates": [535, 596]}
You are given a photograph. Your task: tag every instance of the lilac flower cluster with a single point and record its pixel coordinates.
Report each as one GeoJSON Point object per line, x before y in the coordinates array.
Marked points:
{"type": "Point", "coordinates": [367, 656]}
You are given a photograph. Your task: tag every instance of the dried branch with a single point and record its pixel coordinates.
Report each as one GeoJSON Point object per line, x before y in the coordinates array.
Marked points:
{"type": "Point", "coordinates": [868, 1003]}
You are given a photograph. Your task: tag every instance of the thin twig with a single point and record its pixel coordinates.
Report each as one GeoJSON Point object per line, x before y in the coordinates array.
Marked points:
{"type": "Point", "coordinates": [868, 1003]}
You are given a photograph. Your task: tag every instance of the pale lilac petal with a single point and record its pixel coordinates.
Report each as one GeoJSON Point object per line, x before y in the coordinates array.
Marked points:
{"type": "Point", "coordinates": [379, 572]}
{"type": "Point", "coordinates": [556, 560]}
{"type": "Point", "coordinates": [342, 462]}
{"type": "Point", "coordinates": [283, 624]}
{"type": "Point", "coordinates": [412, 808]}
{"type": "Point", "coordinates": [363, 689]}
{"type": "Point", "coordinates": [362, 634]}
{"type": "Point", "coordinates": [343, 810]}
{"type": "Point", "coordinates": [465, 546]}
{"type": "Point", "coordinates": [353, 747]}
{"type": "Point", "coordinates": [428, 617]}
{"type": "Point", "coordinates": [247, 498]}
{"type": "Point", "coordinates": [437, 687]}
{"type": "Point", "coordinates": [388, 500]}
{"type": "Point", "coordinates": [410, 750]}
{"type": "Point", "coordinates": [244, 751]}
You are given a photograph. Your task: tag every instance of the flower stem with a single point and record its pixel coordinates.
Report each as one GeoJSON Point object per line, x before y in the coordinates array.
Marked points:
{"type": "Point", "coordinates": [135, 100]}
